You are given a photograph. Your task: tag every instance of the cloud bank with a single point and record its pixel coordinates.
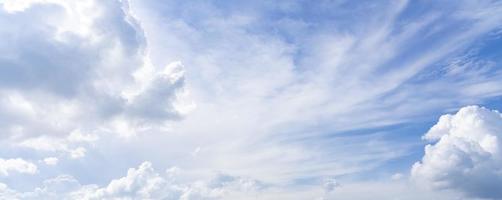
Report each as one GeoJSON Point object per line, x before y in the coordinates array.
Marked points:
{"type": "Point", "coordinates": [143, 182]}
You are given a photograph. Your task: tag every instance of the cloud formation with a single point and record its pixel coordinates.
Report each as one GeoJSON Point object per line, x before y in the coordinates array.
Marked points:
{"type": "Point", "coordinates": [143, 182]}
{"type": "Point", "coordinates": [282, 98]}
{"type": "Point", "coordinates": [466, 155]}
{"type": "Point", "coordinates": [296, 95]}
{"type": "Point", "coordinates": [18, 165]}
{"type": "Point", "coordinates": [51, 161]}
{"type": "Point", "coordinates": [73, 70]}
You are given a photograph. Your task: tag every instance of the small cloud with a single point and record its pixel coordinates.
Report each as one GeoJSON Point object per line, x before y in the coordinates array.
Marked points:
{"type": "Point", "coordinates": [330, 184]}
{"type": "Point", "coordinates": [51, 161]}
{"type": "Point", "coordinates": [78, 136]}
{"type": "Point", "coordinates": [69, 145]}
{"type": "Point", "coordinates": [172, 172]}
{"type": "Point", "coordinates": [78, 153]}
{"type": "Point", "coordinates": [17, 165]}
{"type": "Point", "coordinates": [397, 176]}
{"type": "Point", "coordinates": [195, 152]}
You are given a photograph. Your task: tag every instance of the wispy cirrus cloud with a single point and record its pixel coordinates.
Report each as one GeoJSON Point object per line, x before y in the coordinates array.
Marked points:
{"type": "Point", "coordinates": [289, 94]}
{"type": "Point", "coordinates": [335, 74]}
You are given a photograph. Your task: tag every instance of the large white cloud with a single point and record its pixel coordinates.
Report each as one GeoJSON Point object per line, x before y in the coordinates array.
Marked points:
{"type": "Point", "coordinates": [467, 154]}
{"type": "Point", "coordinates": [79, 66]}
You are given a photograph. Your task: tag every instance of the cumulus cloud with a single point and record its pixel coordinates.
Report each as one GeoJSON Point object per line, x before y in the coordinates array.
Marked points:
{"type": "Point", "coordinates": [51, 161]}
{"type": "Point", "coordinates": [70, 145]}
{"type": "Point", "coordinates": [68, 67]}
{"type": "Point", "coordinates": [140, 183]}
{"type": "Point", "coordinates": [16, 165]}
{"type": "Point", "coordinates": [6, 192]}
{"type": "Point", "coordinates": [154, 99]}
{"type": "Point", "coordinates": [466, 155]}
{"type": "Point", "coordinates": [143, 182]}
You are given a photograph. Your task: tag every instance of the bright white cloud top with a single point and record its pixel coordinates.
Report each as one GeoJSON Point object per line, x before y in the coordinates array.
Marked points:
{"type": "Point", "coordinates": [153, 99]}
{"type": "Point", "coordinates": [16, 165]}
{"type": "Point", "coordinates": [467, 154]}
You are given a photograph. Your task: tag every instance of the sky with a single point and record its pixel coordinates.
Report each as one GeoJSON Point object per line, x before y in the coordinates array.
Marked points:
{"type": "Point", "coordinates": [286, 99]}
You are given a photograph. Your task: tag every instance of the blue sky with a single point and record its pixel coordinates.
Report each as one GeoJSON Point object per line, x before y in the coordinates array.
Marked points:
{"type": "Point", "coordinates": [328, 99]}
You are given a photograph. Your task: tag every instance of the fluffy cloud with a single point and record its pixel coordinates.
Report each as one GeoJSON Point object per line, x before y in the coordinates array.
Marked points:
{"type": "Point", "coordinates": [79, 66]}
{"type": "Point", "coordinates": [51, 161]}
{"type": "Point", "coordinates": [6, 192]}
{"type": "Point", "coordinates": [69, 145]}
{"type": "Point", "coordinates": [467, 154]}
{"type": "Point", "coordinates": [155, 99]}
{"type": "Point", "coordinates": [143, 182]}
{"type": "Point", "coordinates": [16, 165]}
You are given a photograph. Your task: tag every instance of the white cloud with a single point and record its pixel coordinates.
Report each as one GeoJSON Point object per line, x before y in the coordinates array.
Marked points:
{"type": "Point", "coordinates": [66, 68]}
{"type": "Point", "coordinates": [466, 155]}
{"type": "Point", "coordinates": [79, 152]}
{"type": "Point", "coordinates": [157, 93]}
{"type": "Point", "coordinates": [18, 165]}
{"type": "Point", "coordinates": [78, 136]}
{"type": "Point", "coordinates": [92, 49]}
{"type": "Point", "coordinates": [20, 5]}
{"type": "Point", "coordinates": [140, 183]}
{"type": "Point", "coordinates": [53, 188]}
{"type": "Point", "coordinates": [44, 143]}
{"type": "Point", "coordinates": [51, 161]}
{"type": "Point", "coordinates": [69, 145]}
{"type": "Point", "coordinates": [397, 176]}
{"type": "Point", "coordinates": [6, 192]}
{"type": "Point", "coordinates": [145, 183]}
